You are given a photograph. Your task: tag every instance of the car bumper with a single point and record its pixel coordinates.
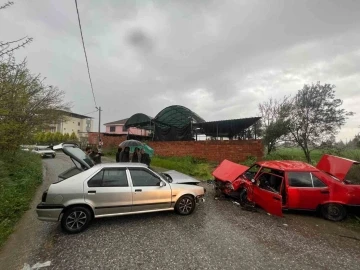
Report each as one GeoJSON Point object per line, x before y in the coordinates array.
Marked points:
{"type": "Point", "coordinates": [49, 212]}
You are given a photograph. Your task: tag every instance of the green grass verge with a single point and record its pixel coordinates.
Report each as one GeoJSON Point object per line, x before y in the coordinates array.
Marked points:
{"type": "Point", "coordinates": [188, 165]}
{"type": "Point", "coordinates": [20, 175]}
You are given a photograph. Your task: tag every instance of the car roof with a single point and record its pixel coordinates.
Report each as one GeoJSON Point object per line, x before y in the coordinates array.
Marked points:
{"type": "Point", "coordinates": [288, 165]}
{"type": "Point", "coordinates": [121, 164]}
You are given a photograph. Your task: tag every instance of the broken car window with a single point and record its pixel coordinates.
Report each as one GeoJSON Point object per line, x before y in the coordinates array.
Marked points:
{"type": "Point", "coordinates": [270, 182]}
{"type": "Point", "coordinates": [252, 171]}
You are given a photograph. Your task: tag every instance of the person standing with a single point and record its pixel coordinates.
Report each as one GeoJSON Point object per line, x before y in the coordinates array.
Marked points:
{"type": "Point", "coordinates": [136, 156]}
{"type": "Point", "coordinates": [118, 154]}
{"type": "Point", "coordinates": [145, 157]}
{"type": "Point", "coordinates": [125, 155]}
{"type": "Point", "coordinates": [93, 155]}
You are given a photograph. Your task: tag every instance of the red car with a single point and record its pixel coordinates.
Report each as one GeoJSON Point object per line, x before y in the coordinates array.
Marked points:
{"type": "Point", "coordinates": [287, 184]}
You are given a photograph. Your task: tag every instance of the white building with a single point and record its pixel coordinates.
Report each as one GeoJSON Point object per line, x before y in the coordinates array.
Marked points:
{"type": "Point", "coordinates": [73, 122]}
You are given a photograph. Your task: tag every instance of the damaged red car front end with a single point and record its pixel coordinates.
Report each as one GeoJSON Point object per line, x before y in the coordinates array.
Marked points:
{"type": "Point", "coordinates": [227, 177]}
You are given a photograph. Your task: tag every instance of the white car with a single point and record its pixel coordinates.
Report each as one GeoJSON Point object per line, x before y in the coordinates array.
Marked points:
{"type": "Point", "coordinates": [44, 151]}
{"type": "Point", "coordinates": [88, 191]}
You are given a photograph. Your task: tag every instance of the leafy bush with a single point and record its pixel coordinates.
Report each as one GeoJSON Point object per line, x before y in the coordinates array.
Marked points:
{"type": "Point", "coordinates": [20, 175]}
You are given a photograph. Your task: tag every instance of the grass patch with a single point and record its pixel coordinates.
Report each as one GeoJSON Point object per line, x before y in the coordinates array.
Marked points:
{"type": "Point", "coordinates": [187, 165]}
{"type": "Point", "coordinates": [20, 175]}
{"type": "Point", "coordinates": [110, 151]}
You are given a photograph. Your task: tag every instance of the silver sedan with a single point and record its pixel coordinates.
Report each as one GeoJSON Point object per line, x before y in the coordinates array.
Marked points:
{"type": "Point", "coordinates": [88, 191]}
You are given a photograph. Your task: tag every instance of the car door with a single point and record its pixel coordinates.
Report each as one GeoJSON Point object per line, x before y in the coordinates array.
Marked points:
{"type": "Point", "coordinates": [147, 193]}
{"type": "Point", "coordinates": [268, 199]}
{"type": "Point", "coordinates": [109, 192]}
{"type": "Point", "coordinates": [305, 191]}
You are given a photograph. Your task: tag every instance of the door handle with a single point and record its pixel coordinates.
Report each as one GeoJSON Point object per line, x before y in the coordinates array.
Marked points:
{"type": "Point", "coordinates": [91, 191]}
{"type": "Point", "coordinates": [276, 198]}
{"type": "Point", "coordinates": [325, 192]}
{"type": "Point", "coordinates": [138, 190]}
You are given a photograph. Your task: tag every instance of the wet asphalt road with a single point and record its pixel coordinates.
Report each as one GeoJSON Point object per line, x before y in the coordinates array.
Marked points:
{"type": "Point", "coordinates": [218, 235]}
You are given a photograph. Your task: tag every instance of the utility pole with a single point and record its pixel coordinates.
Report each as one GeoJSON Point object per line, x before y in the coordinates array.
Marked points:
{"type": "Point", "coordinates": [99, 139]}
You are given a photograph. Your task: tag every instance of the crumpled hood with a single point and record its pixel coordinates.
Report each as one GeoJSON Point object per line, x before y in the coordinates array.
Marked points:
{"type": "Point", "coordinates": [228, 171]}
{"type": "Point", "coordinates": [180, 178]}
{"type": "Point", "coordinates": [336, 166]}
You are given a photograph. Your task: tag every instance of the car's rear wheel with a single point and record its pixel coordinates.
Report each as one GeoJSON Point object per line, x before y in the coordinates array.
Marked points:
{"type": "Point", "coordinates": [76, 219]}
{"type": "Point", "coordinates": [333, 211]}
{"type": "Point", "coordinates": [185, 205]}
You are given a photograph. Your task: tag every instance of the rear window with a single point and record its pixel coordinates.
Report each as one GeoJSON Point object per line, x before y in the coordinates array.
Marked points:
{"type": "Point", "coordinates": [78, 153]}
{"type": "Point", "coordinates": [304, 179]}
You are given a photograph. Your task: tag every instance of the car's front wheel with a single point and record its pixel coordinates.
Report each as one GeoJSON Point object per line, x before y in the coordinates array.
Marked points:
{"type": "Point", "coordinates": [76, 219]}
{"type": "Point", "coordinates": [333, 211]}
{"type": "Point", "coordinates": [185, 205]}
{"type": "Point", "coordinates": [53, 156]}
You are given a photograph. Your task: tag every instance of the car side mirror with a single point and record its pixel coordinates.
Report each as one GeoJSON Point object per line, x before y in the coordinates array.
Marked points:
{"type": "Point", "coordinates": [162, 184]}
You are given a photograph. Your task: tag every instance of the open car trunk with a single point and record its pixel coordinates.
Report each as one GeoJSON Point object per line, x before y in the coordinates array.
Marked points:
{"type": "Point", "coordinates": [69, 173]}
{"type": "Point", "coordinates": [336, 166]}
{"type": "Point", "coordinates": [81, 161]}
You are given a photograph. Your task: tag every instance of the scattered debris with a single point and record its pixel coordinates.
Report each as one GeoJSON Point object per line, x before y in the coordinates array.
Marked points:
{"type": "Point", "coordinates": [36, 266]}
{"type": "Point", "coordinates": [269, 214]}
{"type": "Point", "coordinates": [234, 202]}
{"type": "Point", "coordinates": [285, 225]}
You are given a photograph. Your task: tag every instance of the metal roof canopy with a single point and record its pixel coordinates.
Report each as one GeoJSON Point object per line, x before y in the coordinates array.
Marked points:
{"type": "Point", "coordinates": [226, 128]}
{"type": "Point", "coordinates": [177, 116]}
{"type": "Point", "coordinates": [139, 120]}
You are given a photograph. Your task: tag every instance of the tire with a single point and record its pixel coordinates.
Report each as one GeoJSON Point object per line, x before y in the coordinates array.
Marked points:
{"type": "Point", "coordinates": [333, 211]}
{"type": "Point", "coordinates": [76, 219]}
{"type": "Point", "coordinates": [53, 156]}
{"type": "Point", "coordinates": [185, 205]}
{"type": "Point", "coordinates": [243, 197]}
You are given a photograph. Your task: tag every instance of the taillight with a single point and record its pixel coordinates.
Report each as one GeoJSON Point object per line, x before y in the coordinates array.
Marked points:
{"type": "Point", "coordinates": [43, 198]}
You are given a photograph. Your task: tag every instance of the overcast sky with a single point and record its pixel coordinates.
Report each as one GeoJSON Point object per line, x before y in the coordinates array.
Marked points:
{"type": "Point", "coordinates": [218, 58]}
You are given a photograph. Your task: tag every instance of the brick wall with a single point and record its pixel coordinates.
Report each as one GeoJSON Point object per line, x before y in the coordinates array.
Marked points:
{"type": "Point", "coordinates": [109, 140]}
{"type": "Point", "coordinates": [234, 150]}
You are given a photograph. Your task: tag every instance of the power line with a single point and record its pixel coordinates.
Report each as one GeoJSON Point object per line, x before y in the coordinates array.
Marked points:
{"type": "Point", "coordinates": [87, 63]}
{"type": "Point", "coordinates": [90, 112]}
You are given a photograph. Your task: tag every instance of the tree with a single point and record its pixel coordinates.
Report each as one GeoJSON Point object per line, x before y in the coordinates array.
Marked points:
{"type": "Point", "coordinates": [8, 47]}
{"type": "Point", "coordinates": [274, 126]}
{"type": "Point", "coordinates": [27, 104]}
{"type": "Point", "coordinates": [315, 116]}
{"type": "Point", "coordinates": [49, 137]}
{"type": "Point", "coordinates": [66, 137]}
{"type": "Point", "coordinates": [58, 137]}
{"type": "Point", "coordinates": [274, 132]}
{"type": "Point", "coordinates": [73, 136]}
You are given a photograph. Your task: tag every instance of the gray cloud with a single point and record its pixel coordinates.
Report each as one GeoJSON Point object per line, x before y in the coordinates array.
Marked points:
{"type": "Point", "coordinates": [140, 40]}
{"type": "Point", "coordinates": [220, 59]}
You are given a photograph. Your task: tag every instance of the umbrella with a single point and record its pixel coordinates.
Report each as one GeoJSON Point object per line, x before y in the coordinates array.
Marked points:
{"type": "Point", "coordinates": [146, 148]}
{"type": "Point", "coordinates": [130, 143]}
